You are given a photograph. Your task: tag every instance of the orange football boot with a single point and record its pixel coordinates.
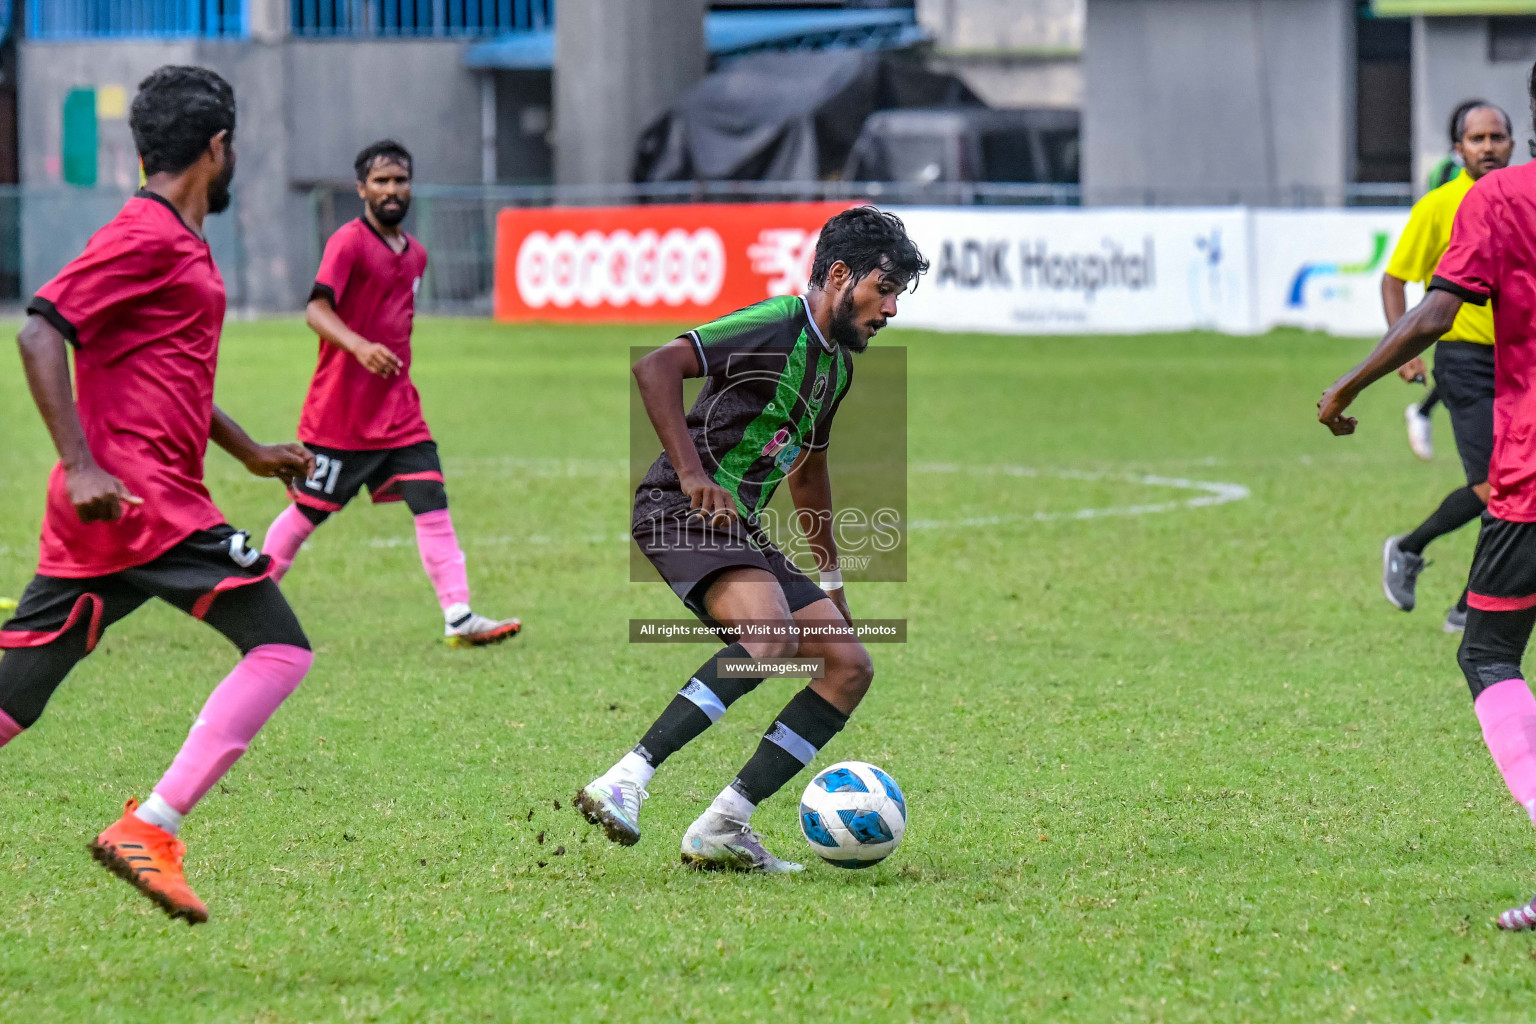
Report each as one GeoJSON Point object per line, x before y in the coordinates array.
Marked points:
{"type": "Point", "coordinates": [149, 858]}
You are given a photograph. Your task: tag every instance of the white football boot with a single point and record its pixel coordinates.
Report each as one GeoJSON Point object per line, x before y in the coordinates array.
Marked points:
{"type": "Point", "coordinates": [717, 843]}
{"type": "Point", "coordinates": [1421, 432]}
{"type": "Point", "coordinates": [613, 802]}
{"type": "Point", "coordinates": [464, 628]}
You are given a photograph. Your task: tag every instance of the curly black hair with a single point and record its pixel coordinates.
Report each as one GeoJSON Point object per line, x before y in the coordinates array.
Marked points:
{"type": "Point", "coordinates": [387, 149]}
{"type": "Point", "coordinates": [177, 112]}
{"type": "Point", "coordinates": [866, 239]}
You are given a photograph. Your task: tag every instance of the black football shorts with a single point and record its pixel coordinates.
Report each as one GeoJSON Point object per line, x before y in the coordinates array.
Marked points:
{"type": "Point", "coordinates": [339, 474]}
{"type": "Point", "coordinates": [188, 576]}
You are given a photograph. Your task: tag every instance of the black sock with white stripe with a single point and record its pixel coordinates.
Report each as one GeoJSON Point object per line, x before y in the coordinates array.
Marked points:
{"type": "Point", "coordinates": [696, 707]}
{"type": "Point", "coordinates": [807, 723]}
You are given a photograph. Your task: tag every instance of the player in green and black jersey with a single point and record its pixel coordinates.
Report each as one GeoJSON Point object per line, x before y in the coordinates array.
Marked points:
{"type": "Point", "coordinates": [776, 374]}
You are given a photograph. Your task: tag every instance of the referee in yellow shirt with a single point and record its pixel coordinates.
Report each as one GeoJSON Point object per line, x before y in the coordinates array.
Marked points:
{"type": "Point", "coordinates": [1463, 358]}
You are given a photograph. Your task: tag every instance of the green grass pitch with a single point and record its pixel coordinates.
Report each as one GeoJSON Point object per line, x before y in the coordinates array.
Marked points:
{"type": "Point", "coordinates": [1184, 765]}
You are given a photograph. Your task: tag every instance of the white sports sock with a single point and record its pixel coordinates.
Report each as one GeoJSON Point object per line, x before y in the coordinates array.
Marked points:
{"type": "Point", "coordinates": [733, 805]}
{"type": "Point", "coordinates": [159, 813]}
{"type": "Point", "coordinates": [636, 767]}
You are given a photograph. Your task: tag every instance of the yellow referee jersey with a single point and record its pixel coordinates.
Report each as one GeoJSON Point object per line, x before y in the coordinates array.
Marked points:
{"type": "Point", "coordinates": [1425, 240]}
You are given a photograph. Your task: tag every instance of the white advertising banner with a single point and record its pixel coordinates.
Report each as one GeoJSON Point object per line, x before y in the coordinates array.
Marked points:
{"type": "Point", "coordinates": [1061, 271]}
{"type": "Point", "coordinates": [1322, 268]}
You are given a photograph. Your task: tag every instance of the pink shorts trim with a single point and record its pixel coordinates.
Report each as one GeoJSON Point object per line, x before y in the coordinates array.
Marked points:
{"type": "Point", "coordinates": [1483, 603]}
{"type": "Point", "coordinates": [229, 583]}
{"type": "Point", "coordinates": [304, 499]}
{"type": "Point", "coordinates": [389, 490]}
{"type": "Point", "coordinates": [10, 638]}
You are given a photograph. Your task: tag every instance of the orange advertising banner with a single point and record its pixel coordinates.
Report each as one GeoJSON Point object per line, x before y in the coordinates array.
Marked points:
{"type": "Point", "coordinates": [688, 263]}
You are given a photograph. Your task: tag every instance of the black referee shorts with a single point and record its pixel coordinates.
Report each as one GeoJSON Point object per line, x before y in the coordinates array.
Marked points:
{"type": "Point", "coordinates": [1464, 379]}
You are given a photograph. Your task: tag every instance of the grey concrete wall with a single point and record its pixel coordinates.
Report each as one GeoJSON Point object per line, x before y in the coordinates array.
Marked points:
{"type": "Point", "coordinates": [1013, 53]}
{"type": "Point", "coordinates": [346, 94]}
{"type": "Point", "coordinates": [1202, 101]}
{"type": "Point", "coordinates": [48, 71]}
{"type": "Point", "coordinates": [1450, 64]}
{"type": "Point", "coordinates": [306, 108]}
{"type": "Point", "coordinates": [618, 63]}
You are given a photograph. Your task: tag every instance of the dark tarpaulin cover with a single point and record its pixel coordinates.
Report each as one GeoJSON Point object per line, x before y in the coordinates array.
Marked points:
{"type": "Point", "coordinates": [784, 116]}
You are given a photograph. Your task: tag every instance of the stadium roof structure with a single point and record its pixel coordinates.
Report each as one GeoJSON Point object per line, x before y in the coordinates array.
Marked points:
{"type": "Point", "coordinates": [733, 33]}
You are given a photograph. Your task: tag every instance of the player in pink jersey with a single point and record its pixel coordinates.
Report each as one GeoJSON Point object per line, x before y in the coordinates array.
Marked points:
{"type": "Point", "coordinates": [1492, 257]}
{"type": "Point", "coordinates": [128, 517]}
{"type": "Point", "coordinates": [362, 417]}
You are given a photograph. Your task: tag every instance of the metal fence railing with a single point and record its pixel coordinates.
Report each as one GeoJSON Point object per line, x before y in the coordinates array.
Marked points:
{"type": "Point", "coordinates": [43, 228]}
{"type": "Point", "coordinates": [123, 19]}
{"type": "Point", "coordinates": [418, 18]}
{"type": "Point", "coordinates": [1393, 193]}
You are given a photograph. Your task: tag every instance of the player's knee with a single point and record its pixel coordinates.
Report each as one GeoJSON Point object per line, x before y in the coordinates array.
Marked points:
{"type": "Point", "coordinates": [289, 663]}
{"type": "Point", "coordinates": [771, 648]}
{"type": "Point", "coordinates": [30, 675]}
{"type": "Point", "coordinates": [314, 515]}
{"type": "Point", "coordinates": [256, 616]}
{"type": "Point", "coordinates": [1485, 660]}
{"type": "Point", "coordinates": [423, 496]}
{"type": "Point", "coordinates": [852, 665]}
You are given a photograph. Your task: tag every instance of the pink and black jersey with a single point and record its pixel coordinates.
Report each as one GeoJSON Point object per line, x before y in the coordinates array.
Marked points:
{"type": "Point", "coordinates": [373, 290]}
{"type": "Point", "coordinates": [143, 306]}
{"type": "Point", "coordinates": [1492, 256]}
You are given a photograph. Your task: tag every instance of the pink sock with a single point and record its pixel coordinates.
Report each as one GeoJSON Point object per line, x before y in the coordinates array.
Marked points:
{"type": "Point", "coordinates": [441, 557]}
{"type": "Point", "coordinates": [9, 728]}
{"type": "Point", "coordinates": [235, 711]}
{"type": "Point", "coordinates": [285, 536]}
{"type": "Point", "coordinates": [1508, 716]}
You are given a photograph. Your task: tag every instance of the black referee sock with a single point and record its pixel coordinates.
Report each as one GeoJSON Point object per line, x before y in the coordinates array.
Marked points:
{"type": "Point", "coordinates": [696, 707]}
{"type": "Point", "coordinates": [807, 723]}
{"type": "Point", "coordinates": [1430, 401]}
{"type": "Point", "coordinates": [1458, 509]}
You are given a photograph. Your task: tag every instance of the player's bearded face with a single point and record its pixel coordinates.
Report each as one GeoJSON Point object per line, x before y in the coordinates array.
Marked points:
{"type": "Point", "coordinates": [845, 323]}
{"type": "Point", "coordinates": [390, 210]}
{"type": "Point", "coordinates": [388, 193]}
{"type": "Point", "coordinates": [862, 311]}
{"type": "Point", "coordinates": [218, 188]}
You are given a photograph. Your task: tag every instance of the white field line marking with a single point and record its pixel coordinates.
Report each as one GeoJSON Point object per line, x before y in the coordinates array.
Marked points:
{"type": "Point", "coordinates": [1211, 493]}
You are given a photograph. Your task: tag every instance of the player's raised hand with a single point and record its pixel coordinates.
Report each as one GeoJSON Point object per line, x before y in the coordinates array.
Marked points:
{"type": "Point", "coordinates": [287, 462]}
{"type": "Point", "coordinates": [709, 501]}
{"type": "Point", "coordinates": [97, 495]}
{"type": "Point", "coordinates": [378, 359]}
{"type": "Point", "coordinates": [1330, 409]}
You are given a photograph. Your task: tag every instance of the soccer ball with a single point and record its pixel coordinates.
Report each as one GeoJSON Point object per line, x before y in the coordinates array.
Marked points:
{"type": "Point", "coordinates": [853, 814]}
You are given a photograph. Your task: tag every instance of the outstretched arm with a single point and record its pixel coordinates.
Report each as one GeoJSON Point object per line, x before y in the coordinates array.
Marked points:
{"type": "Point", "coordinates": [287, 462]}
{"type": "Point", "coordinates": [810, 485]}
{"type": "Point", "coordinates": [1394, 303]}
{"type": "Point", "coordinates": [1418, 329]}
{"type": "Point", "coordinates": [323, 319]}
{"type": "Point", "coordinates": [660, 375]}
{"type": "Point", "coordinates": [97, 495]}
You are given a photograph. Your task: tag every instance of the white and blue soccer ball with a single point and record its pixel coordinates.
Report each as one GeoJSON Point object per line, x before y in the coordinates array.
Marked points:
{"type": "Point", "coordinates": [853, 814]}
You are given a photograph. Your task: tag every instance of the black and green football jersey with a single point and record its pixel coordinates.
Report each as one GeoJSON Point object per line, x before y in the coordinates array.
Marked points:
{"type": "Point", "coordinates": [773, 386]}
